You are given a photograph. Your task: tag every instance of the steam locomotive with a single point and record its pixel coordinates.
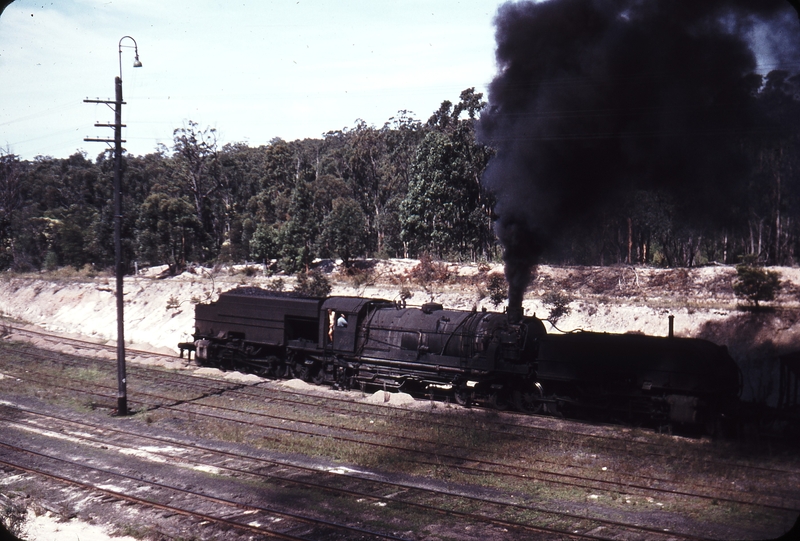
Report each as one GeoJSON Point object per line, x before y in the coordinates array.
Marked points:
{"type": "Point", "coordinates": [498, 359]}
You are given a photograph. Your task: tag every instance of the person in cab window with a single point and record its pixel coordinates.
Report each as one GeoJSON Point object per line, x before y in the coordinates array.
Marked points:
{"type": "Point", "coordinates": [331, 322]}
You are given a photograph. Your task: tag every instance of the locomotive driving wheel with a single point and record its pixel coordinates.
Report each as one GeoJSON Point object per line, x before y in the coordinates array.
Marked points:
{"type": "Point", "coordinates": [529, 400]}
{"type": "Point", "coordinates": [318, 376]}
{"type": "Point", "coordinates": [300, 370]}
{"type": "Point", "coordinates": [463, 396]}
{"type": "Point", "coordinates": [499, 400]}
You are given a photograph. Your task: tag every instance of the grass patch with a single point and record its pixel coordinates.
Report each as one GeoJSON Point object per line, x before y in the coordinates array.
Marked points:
{"type": "Point", "coordinates": [13, 515]}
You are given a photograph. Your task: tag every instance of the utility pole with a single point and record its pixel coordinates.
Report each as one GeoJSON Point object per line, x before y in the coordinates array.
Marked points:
{"type": "Point", "coordinates": [119, 271]}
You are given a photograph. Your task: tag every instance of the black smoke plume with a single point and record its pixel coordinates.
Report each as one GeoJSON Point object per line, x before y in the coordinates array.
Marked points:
{"type": "Point", "coordinates": [596, 99]}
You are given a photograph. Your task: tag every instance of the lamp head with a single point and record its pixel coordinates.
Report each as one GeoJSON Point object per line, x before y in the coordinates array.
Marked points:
{"type": "Point", "coordinates": [136, 62]}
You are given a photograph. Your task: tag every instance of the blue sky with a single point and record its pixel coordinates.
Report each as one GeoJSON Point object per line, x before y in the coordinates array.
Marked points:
{"type": "Point", "coordinates": [253, 70]}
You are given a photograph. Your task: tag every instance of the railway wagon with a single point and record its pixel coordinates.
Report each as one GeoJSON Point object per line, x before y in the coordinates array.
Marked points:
{"type": "Point", "coordinates": [683, 381]}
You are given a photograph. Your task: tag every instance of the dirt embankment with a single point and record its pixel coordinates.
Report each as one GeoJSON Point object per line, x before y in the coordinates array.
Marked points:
{"type": "Point", "coordinates": [159, 312]}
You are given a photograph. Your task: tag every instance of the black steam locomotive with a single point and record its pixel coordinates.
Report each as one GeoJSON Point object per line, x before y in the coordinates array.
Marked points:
{"type": "Point", "coordinates": [504, 360]}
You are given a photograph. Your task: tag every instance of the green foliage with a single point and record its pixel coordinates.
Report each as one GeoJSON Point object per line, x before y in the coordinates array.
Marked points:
{"type": "Point", "coordinates": [558, 303]}
{"type": "Point", "coordinates": [405, 294]}
{"type": "Point", "coordinates": [264, 244]}
{"type": "Point", "coordinates": [403, 189]}
{"type": "Point", "coordinates": [169, 231]}
{"type": "Point", "coordinates": [754, 284]}
{"type": "Point", "coordinates": [341, 195]}
{"type": "Point", "coordinates": [446, 210]}
{"type": "Point", "coordinates": [497, 288]}
{"type": "Point", "coordinates": [313, 284]}
{"type": "Point", "coordinates": [296, 238]}
{"type": "Point", "coordinates": [275, 285]}
{"type": "Point", "coordinates": [10, 202]}
{"type": "Point", "coordinates": [50, 261]}
{"type": "Point", "coordinates": [173, 303]}
{"type": "Point", "coordinates": [12, 516]}
{"type": "Point", "coordinates": [344, 231]}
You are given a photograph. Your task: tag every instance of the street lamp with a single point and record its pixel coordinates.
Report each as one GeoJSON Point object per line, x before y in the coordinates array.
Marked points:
{"type": "Point", "coordinates": [136, 62]}
{"type": "Point", "coordinates": [122, 393]}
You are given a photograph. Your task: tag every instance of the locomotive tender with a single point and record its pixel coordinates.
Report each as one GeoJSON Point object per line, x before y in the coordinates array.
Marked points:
{"type": "Point", "coordinates": [494, 358]}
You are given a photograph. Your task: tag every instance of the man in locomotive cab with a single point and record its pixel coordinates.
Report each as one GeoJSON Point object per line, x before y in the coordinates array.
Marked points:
{"type": "Point", "coordinates": [342, 321]}
{"type": "Point", "coordinates": [331, 323]}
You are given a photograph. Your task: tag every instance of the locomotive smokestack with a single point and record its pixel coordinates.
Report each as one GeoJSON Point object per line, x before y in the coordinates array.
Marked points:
{"type": "Point", "coordinates": [521, 251]}
{"type": "Point", "coordinates": [515, 312]}
{"type": "Point", "coordinates": [671, 326]}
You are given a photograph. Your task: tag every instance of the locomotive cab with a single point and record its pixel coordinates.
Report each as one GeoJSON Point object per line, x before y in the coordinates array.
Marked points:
{"type": "Point", "coordinates": [339, 320]}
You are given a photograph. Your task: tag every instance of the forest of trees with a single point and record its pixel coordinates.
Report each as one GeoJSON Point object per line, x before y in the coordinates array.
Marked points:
{"type": "Point", "coordinates": [404, 189]}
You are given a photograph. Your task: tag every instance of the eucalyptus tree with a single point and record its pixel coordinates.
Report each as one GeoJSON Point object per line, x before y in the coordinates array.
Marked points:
{"type": "Point", "coordinates": [197, 170]}
{"type": "Point", "coordinates": [446, 211]}
{"type": "Point", "coordinates": [296, 237]}
{"type": "Point", "coordinates": [374, 164]}
{"type": "Point", "coordinates": [10, 201]}
{"type": "Point", "coordinates": [344, 231]}
{"type": "Point", "coordinates": [169, 231]}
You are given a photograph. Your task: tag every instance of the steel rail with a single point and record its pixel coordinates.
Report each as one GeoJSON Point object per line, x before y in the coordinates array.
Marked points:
{"type": "Point", "coordinates": [212, 499]}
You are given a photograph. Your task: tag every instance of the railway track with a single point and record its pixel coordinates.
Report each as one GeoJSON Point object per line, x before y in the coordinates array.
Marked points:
{"type": "Point", "coordinates": [417, 499]}
{"type": "Point", "coordinates": [210, 398]}
{"type": "Point", "coordinates": [198, 505]}
{"type": "Point", "coordinates": [567, 474]}
{"type": "Point", "coordinates": [602, 435]}
{"type": "Point", "coordinates": [432, 453]}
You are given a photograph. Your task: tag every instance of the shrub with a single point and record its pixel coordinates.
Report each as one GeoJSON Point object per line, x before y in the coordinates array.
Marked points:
{"type": "Point", "coordinates": [360, 278]}
{"type": "Point", "coordinates": [405, 294]}
{"type": "Point", "coordinates": [277, 284]}
{"type": "Point", "coordinates": [12, 516]}
{"type": "Point", "coordinates": [429, 271]}
{"type": "Point", "coordinates": [754, 284]}
{"type": "Point", "coordinates": [497, 288]}
{"type": "Point", "coordinates": [558, 303]}
{"type": "Point", "coordinates": [312, 284]}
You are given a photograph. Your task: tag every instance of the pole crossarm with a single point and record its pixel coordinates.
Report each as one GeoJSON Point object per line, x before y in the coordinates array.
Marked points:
{"type": "Point", "coordinates": [110, 102]}
{"type": "Point", "coordinates": [98, 140]}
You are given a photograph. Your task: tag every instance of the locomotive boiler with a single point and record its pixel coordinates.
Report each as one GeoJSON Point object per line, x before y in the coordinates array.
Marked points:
{"type": "Point", "coordinates": [503, 360]}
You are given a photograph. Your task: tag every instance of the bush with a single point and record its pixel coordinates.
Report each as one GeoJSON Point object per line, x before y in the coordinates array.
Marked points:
{"type": "Point", "coordinates": [312, 284]}
{"type": "Point", "coordinates": [754, 284]}
{"type": "Point", "coordinates": [558, 303]}
{"type": "Point", "coordinates": [360, 277]}
{"type": "Point", "coordinates": [12, 518]}
{"type": "Point", "coordinates": [429, 271]}
{"type": "Point", "coordinates": [276, 284]}
{"type": "Point", "coordinates": [497, 288]}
